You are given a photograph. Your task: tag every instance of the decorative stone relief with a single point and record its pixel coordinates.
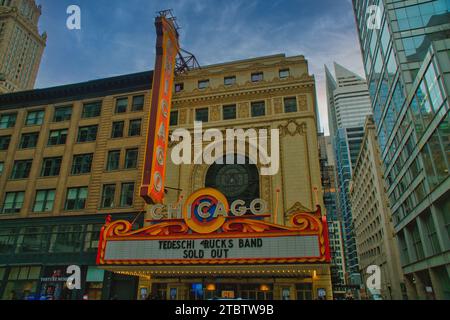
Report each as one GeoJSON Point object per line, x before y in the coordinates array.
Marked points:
{"type": "Point", "coordinates": [303, 102]}
{"type": "Point", "coordinates": [278, 105]}
{"type": "Point", "coordinates": [198, 176]}
{"type": "Point", "coordinates": [183, 116]}
{"type": "Point", "coordinates": [266, 192]}
{"type": "Point", "coordinates": [296, 208]}
{"type": "Point", "coordinates": [215, 113]}
{"type": "Point", "coordinates": [292, 128]}
{"type": "Point", "coordinates": [243, 110]}
{"type": "Point", "coordinates": [269, 106]}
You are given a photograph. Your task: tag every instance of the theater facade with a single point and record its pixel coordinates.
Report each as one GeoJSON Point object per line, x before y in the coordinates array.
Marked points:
{"type": "Point", "coordinates": [72, 159]}
{"type": "Point", "coordinates": [234, 230]}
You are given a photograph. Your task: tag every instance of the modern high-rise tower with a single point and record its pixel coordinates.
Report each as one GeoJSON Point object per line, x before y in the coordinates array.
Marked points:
{"type": "Point", "coordinates": [328, 171]}
{"type": "Point", "coordinates": [348, 106]}
{"type": "Point", "coordinates": [21, 45]}
{"type": "Point", "coordinates": [406, 54]}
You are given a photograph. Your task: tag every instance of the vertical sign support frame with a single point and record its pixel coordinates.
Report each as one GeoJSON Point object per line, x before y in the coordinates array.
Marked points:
{"type": "Point", "coordinates": [153, 174]}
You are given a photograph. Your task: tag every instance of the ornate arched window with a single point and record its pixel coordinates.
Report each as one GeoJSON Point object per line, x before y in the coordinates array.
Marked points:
{"type": "Point", "coordinates": [235, 181]}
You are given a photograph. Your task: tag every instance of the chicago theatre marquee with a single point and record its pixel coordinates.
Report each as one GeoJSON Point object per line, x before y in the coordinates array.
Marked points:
{"type": "Point", "coordinates": [223, 228]}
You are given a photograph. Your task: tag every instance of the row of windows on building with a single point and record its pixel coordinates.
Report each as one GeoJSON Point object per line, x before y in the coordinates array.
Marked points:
{"type": "Point", "coordinates": [229, 112]}
{"type": "Point", "coordinates": [64, 113]}
{"type": "Point", "coordinates": [76, 199]}
{"type": "Point", "coordinates": [422, 242]}
{"type": "Point", "coordinates": [85, 134]}
{"type": "Point", "coordinates": [435, 164]}
{"type": "Point", "coordinates": [90, 110]}
{"type": "Point", "coordinates": [81, 164]}
{"type": "Point", "coordinates": [231, 80]}
{"type": "Point", "coordinates": [47, 239]}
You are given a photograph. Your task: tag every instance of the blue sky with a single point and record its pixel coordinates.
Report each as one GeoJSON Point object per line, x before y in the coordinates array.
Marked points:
{"type": "Point", "coordinates": [118, 37]}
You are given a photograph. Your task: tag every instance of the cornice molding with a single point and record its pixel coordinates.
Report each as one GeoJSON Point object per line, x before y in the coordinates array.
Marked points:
{"type": "Point", "coordinates": [249, 88]}
{"type": "Point", "coordinates": [79, 91]}
{"type": "Point", "coordinates": [230, 69]}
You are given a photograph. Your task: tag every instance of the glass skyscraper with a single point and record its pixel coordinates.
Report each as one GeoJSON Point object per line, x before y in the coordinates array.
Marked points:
{"type": "Point", "coordinates": [406, 54]}
{"type": "Point", "coordinates": [348, 106]}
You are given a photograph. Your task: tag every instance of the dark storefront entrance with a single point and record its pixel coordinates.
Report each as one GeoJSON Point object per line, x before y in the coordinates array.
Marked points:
{"type": "Point", "coordinates": [231, 291]}
{"type": "Point", "coordinates": [211, 291]}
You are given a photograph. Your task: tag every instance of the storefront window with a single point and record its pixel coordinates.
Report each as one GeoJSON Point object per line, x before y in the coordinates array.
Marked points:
{"type": "Point", "coordinates": [94, 283]}
{"type": "Point", "coordinates": [34, 239]}
{"type": "Point", "coordinates": [159, 291]}
{"type": "Point", "coordinates": [92, 237]}
{"type": "Point", "coordinates": [304, 291]}
{"type": "Point", "coordinates": [22, 283]}
{"type": "Point", "coordinates": [68, 239]}
{"type": "Point", "coordinates": [8, 238]}
{"type": "Point", "coordinates": [53, 284]}
{"type": "Point", "coordinates": [286, 294]}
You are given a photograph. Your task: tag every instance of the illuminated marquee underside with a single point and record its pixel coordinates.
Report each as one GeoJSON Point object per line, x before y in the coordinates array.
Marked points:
{"type": "Point", "coordinates": [240, 240]}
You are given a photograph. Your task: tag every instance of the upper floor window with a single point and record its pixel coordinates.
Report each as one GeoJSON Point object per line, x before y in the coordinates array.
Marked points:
{"type": "Point", "coordinates": [117, 129]}
{"type": "Point", "coordinates": [108, 193]}
{"type": "Point", "coordinates": [284, 73]}
{"type": "Point", "coordinates": [57, 137]}
{"type": "Point", "coordinates": [138, 103]}
{"type": "Point", "coordinates": [8, 120]}
{"type": "Point", "coordinates": [4, 142]}
{"type": "Point", "coordinates": [62, 114]}
{"type": "Point", "coordinates": [229, 112]}
{"type": "Point", "coordinates": [92, 109]}
{"type": "Point", "coordinates": [179, 87]}
{"type": "Point", "coordinates": [29, 140]}
{"type": "Point", "coordinates": [258, 109]}
{"type": "Point", "coordinates": [87, 134]}
{"type": "Point", "coordinates": [113, 160]}
{"type": "Point", "coordinates": [202, 114]}
{"type": "Point", "coordinates": [35, 118]}
{"type": "Point", "coordinates": [2, 166]}
{"type": "Point", "coordinates": [127, 194]}
{"type": "Point", "coordinates": [134, 128]}
{"type": "Point", "coordinates": [174, 118]}
{"type": "Point", "coordinates": [203, 84]}
{"type": "Point", "coordinates": [121, 105]}
{"type": "Point", "coordinates": [51, 167]}
{"type": "Point", "coordinates": [82, 163]}
{"type": "Point", "coordinates": [76, 198]}
{"type": "Point", "coordinates": [228, 81]}
{"type": "Point", "coordinates": [21, 169]}
{"type": "Point", "coordinates": [44, 200]}
{"type": "Point", "coordinates": [13, 202]}
{"type": "Point", "coordinates": [290, 104]}
{"type": "Point", "coordinates": [131, 158]}
{"type": "Point", "coordinates": [257, 76]}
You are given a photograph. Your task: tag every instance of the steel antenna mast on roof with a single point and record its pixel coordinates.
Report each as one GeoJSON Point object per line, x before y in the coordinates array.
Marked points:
{"type": "Point", "coordinates": [185, 61]}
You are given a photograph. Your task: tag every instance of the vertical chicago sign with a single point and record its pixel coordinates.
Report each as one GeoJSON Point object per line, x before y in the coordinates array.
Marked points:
{"type": "Point", "coordinates": [167, 47]}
